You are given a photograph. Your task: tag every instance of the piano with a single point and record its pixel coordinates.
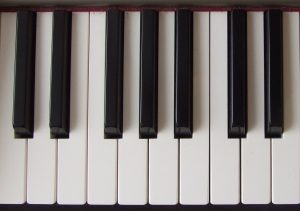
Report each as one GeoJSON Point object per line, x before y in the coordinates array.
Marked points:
{"type": "Point", "coordinates": [148, 106]}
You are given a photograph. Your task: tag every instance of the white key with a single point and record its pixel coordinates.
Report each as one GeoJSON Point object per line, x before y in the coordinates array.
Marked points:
{"type": "Point", "coordinates": [72, 152]}
{"type": "Point", "coordinates": [255, 149]}
{"type": "Point", "coordinates": [194, 153]}
{"type": "Point", "coordinates": [132, 151]}
{"type": "Point", "coordinates": [224, 152]}
{"type": "Point", "coordinates": [102, 153]}
{"type": "Point", "coordinates": [286, 151]}
{"type": "Point", "coordinates": [42, 151]}
{"type": "Point", "coordinates": [13, 152]}
{"type": "Point", "coordinates": [163, 151]}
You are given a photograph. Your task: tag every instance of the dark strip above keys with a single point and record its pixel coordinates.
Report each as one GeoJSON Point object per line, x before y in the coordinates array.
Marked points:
{"type": "Point", "coordinates": [237, 74]}
{"type": "Point", "coordinates": [60, 76]}
{"type": "Point", "coordinates": [113, 120]}
{"type": "Point", "coordinates": [273, 73]}
{"type": "Point", "coordinates": [183, 125]}
{"type": "Point", "coordinates": [148, 74]}
{"type": "Point", "coordinates": [23, 116]}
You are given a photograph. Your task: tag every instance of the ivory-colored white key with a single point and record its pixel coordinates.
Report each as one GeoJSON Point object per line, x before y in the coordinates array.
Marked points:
{"type": "Point", "coordinates": [163, 151]}
{"type": "Point", "coordinates": [132, 151]}
{"type": "Point", "coordinates": [42, 151]}
{"type": "Point", "coordinates": [194, 153]}
{"type": "Point", "coordinates": [72, 152]}
{"type": "Point", "coordinates": [224, 152]}
{"type": "Point", "coordinates": [102, 153]}
{"type": "Point", "coordinates": [286, 151]}
{"type": "Point", "coordinates": [13, 151]}
{"type": "Point", "coordinates": [255, 149]}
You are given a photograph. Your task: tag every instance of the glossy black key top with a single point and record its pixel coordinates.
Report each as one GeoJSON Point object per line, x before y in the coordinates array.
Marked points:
{"type": "Point", "coordinates": [23, 116]}
{"type": "Point", "coordinates": [148, 74]}
{"type": "Point", "coordinates": [237, 74]}
{"type": "Point", "coordinates": [60, 76]}
{"type": "Point", "coordinates": [273, 45]}
{"type": "Point", "coordinates": [183, 125]}
{"type": "Point", "coordinates": [113, 120]}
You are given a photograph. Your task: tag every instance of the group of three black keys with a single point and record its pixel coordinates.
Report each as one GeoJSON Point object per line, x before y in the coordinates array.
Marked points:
{"type": "Point", "coordinates": [23, 111]}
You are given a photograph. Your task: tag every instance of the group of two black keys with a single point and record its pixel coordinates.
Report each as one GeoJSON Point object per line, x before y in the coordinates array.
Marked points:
{"type": "Point", "coordinates": [23, 116]}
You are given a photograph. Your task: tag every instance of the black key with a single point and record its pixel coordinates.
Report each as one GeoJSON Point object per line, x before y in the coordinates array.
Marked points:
{"type": "Point", "coordinates": [23, 116]}
{"type": "Point", "coordinates": [113, 122]}
{"type": "Point", "coordinates": [148, 74]}
{"type": "Point", "coordinates": [60, 78]}
{"type": "Point", "coordinates": [183, 74]}
{"type": "Point", "coordinates": [273, 45]}
{"type": "Point", "coordinates": [237, 74]}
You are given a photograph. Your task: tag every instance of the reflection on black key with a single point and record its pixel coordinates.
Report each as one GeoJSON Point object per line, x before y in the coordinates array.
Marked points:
{"type": "Point", "coordinates": [148, 74]}
{"type": "Point", "coordinates": [23, 116]}
{"type": "Point", "coordinates": [60, 78]}
{"type": "Point", "coordinates": [113, 122]}
{"type": "Point", "coordinates": [273, 73]}
{"type": "Point", "coordinates": [183, 74]}
{"type": "Point", "coordinates": [237, 74]}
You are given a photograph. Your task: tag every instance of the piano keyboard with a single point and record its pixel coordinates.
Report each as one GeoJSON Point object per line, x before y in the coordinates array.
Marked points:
{"type": "Point", "coordinates": [158, 107]}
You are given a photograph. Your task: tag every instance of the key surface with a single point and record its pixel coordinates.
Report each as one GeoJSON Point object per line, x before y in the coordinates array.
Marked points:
{"type": "Point", "coordinates": [72, 152]}
{"type": "Point", "coordinates": [183, 120]}
{"type": "Point", "coordinates": [132, 151]}
{"type": "Point", "coordinates": [148, 74]}
{"type": "Point", "coordinates": [113, 119]}
{"type": "Point", "coordinates": [194, 153]}
{"type": "Point", "coordinates": [41, 173]}
{"type": "Point", "coordinates": [60, 75]}
{"type": "Point", "coordinates": [286, 151]}
{"type": "Point", "coordinates": [255, 149]}
{"type": "Point", "coordinates": [237, 74]}
{"type": "Point", "coordinates": [224, 152]}
{"type": "Point", "coordinates": [102, 153]}
{"type": "Point", "coordinates": [13, 152]}
{"type": "Point", "coordinates": [273, 74]}
{"type": "Point", "coordinates": [163, 151]}
{"type": "Point", "coordinates": [23, 117]}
